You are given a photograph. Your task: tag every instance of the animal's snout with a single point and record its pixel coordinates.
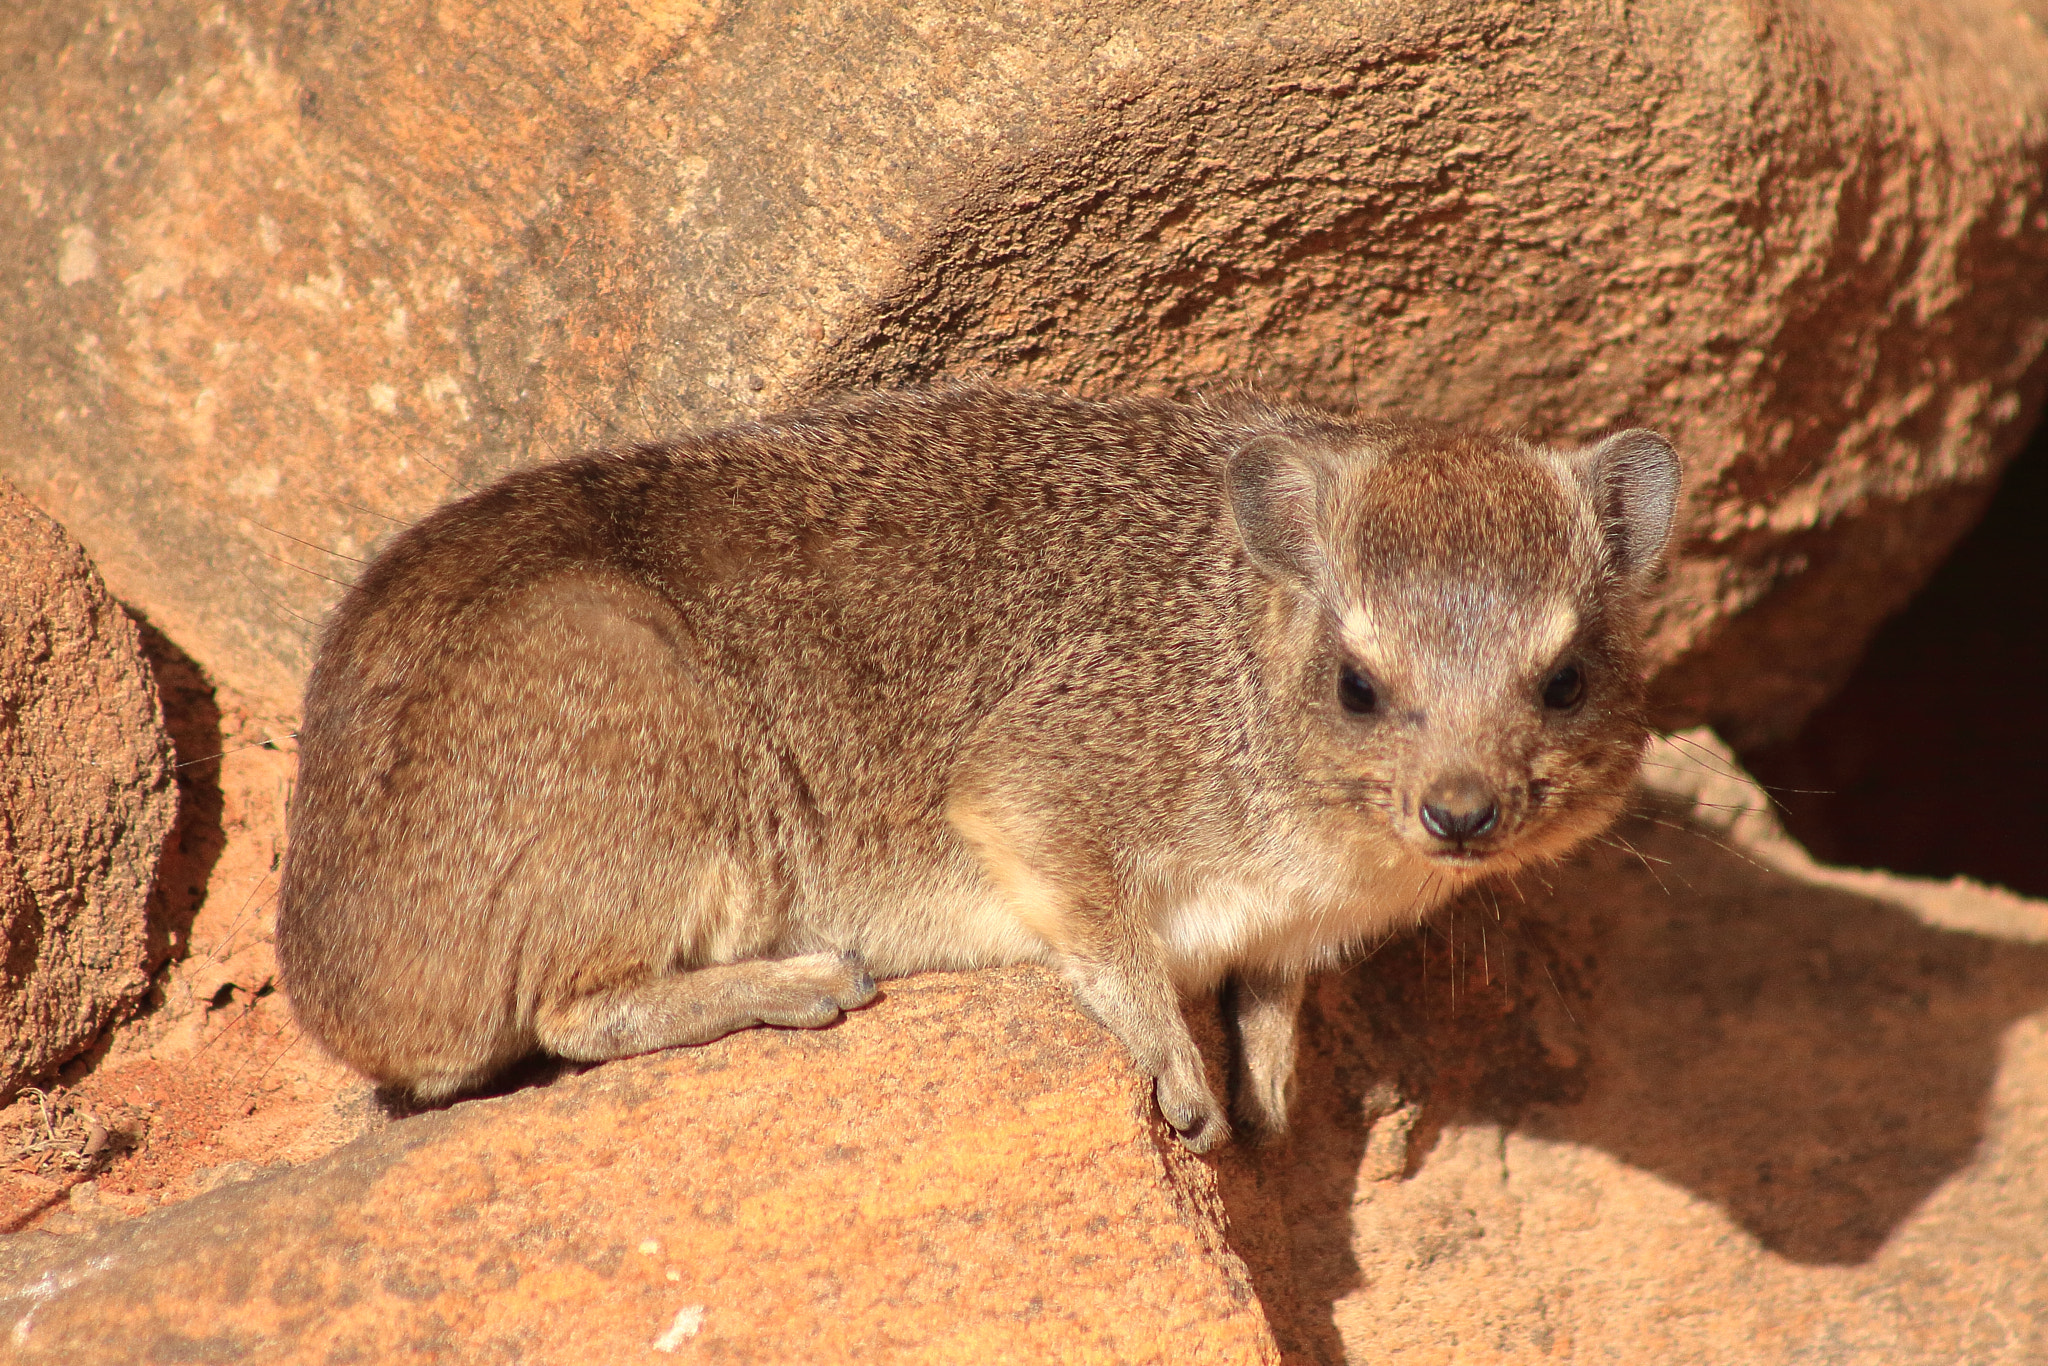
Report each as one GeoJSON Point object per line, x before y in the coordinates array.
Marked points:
{"type": "Point", "coordinates": [1460, 808]}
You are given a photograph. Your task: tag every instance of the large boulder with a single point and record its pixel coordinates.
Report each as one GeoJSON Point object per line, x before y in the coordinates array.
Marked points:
{"type": "Point", "coordinates": [275, 275]}
{"type": "Point", "coordinates": [1697, 1100]}
{"type": "Point", "coordinates": [86, 799]}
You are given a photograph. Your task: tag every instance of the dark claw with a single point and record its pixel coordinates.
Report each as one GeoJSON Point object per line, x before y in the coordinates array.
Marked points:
{"type": "Point", "coordinates": [866, 985]}
{"type": "Point", "coordinates": [1201, 1137]}
{"type": "Point", "coordinates": [1199, 1130]}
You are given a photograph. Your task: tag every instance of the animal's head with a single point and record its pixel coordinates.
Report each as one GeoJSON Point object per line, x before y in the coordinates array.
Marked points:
{"type": "Point", "coordinates": [1460, 626]}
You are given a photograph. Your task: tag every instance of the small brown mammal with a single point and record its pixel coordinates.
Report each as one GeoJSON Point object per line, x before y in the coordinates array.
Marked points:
{"type": "Point", "coordinates": [641, 748]}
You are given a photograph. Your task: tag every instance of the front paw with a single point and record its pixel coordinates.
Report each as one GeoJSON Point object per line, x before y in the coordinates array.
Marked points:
{"type": "Point", "coordinates": [812, 990]}
{"type": "Point", "coordinates": [1192, 1109]}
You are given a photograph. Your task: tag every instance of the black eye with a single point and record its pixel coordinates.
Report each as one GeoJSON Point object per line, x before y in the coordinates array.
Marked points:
{"type": "Point", "coordinates": [1354, 690]}
{"type": "Point", "coordinates": [1564, 689]}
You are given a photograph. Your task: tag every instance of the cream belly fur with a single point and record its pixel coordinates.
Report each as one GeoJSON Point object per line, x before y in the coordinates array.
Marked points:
{"type": "Point", "coordinates": [1212, 925]}
{"type": "Point", "coordinates": [632, 750]}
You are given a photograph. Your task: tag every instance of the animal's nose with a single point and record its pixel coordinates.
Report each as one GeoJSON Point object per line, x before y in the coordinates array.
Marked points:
{"type": "Point", "coordinates": [1459, 808]}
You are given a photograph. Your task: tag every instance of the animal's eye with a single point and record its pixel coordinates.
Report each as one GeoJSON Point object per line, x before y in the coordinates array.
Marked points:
{"type": "Point", "coordinates": [1355, 691]}
{"type": "Point", "coordinates": [1564, 689]}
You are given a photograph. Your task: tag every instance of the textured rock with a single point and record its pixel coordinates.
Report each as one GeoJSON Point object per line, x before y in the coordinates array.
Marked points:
{"type": "Point", "coordinates": [1702, 1101]}
{"type": "Point", "coordinates": [212, 1071]}
{"type": "Point", "coordinates": [86, 799]}
{"type": "Point", "coordinates": [967, 1171]}
{"type": "Point", "coordinates": [275, 274]}
{"type": "Point", "coordinates": [1694, 1100]}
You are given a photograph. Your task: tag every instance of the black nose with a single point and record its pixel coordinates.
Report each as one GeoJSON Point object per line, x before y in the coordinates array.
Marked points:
{"type": "Point", "coordinates": [1459, 809]}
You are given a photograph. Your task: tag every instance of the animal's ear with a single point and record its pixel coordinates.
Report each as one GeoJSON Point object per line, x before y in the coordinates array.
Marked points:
{"type": "Point", "coordinates": [1633, 477]}
{"type": "Point", "coordinates": [1274, 488]}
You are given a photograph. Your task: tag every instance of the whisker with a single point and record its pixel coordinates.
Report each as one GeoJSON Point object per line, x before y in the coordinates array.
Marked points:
{"type": "Point", "coordinates": [298, 1037]}
{"type": "Point", "coordinates": [1710, 758]}
{"type": "Point", "coordinates": [1748, 780]}
{"type": "Point", "coordinates": [1738, 775]}
{"type": "Point", "coordinates": [214, 953]}
{"type": "Point", "coordinates": [266, 595]}
{"type": "Point", "coordinates": [1454, 962]}
{"type": "Point", "coordinates": [1370, 954]}
{"type": "Point", "coordinates": [1614, 841]}
{"type": "Point", "coordinates": [366, 511]}
{"type": "Point", "coordinates": [450, 475]}
{"type": "Point", "coordinates": [1723, 846]}
{"type": "Point", "coordinates": [304, 569]}
{"type": "Point", "coordinates": [231, 1026]}
{"type": "Point", "coordinates": [1560, 996]}
{"type": "Point", "coordinates": [310, 545]}
{"type": "Point", "coordinates": [253, 744]}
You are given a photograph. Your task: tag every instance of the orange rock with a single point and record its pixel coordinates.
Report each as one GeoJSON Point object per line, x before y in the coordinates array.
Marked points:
{"type": "Point", "coordinates": [273, 275]}
{"type": "Point", "coordinates": [86, 799]}
{"type": "Point", "coordinates": [1688, 1098]}
{"type": "Point", "coordinates": [967, 1171]}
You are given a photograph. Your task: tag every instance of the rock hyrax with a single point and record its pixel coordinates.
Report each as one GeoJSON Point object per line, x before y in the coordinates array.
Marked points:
{"type": "Point", "coordinates": [641, 748]}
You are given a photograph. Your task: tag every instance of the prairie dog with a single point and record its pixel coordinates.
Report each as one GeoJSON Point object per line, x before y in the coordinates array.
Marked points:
{"type": "Point", "coordinates": [637, 749]}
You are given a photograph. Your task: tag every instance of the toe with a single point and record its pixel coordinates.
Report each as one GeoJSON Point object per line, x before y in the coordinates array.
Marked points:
{"type": "Point", "coordinates": [1194, 1115]}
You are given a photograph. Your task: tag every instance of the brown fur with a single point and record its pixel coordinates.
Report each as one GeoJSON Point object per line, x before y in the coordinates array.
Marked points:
{"type": "Point", "coordinates": [640, 748]}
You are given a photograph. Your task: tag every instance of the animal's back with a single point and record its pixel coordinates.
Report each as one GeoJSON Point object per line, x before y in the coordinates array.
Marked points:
{"type": "Point", "coordinates": [698, 703]}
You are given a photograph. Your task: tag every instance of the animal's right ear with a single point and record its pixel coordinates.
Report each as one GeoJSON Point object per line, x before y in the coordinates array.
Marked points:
{"type": "Point", "coordinates": [1275, 492]}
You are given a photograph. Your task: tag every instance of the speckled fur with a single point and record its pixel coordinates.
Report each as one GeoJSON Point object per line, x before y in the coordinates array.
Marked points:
{"type": "Point", "coordinates": [636, 749]}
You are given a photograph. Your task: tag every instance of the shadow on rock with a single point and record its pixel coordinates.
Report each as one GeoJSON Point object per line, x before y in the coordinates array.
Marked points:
{"type": "Point", "coordinates": [1814, 1061]}
{"type": "Point", "coordinates": [192, 717]}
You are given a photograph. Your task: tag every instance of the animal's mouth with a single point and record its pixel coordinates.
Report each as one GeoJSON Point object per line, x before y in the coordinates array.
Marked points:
{"type": "Point", "coordinates": [1465, 856]}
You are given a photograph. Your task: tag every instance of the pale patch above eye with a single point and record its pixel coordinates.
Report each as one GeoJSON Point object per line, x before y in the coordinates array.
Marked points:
{"type": "Point", "coordinates": [1356, 630]}
{"type": "Point", "coordinates": [1554, 631]}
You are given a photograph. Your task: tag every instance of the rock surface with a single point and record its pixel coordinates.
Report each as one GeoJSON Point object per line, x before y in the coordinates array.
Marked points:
{"type": "Point", "coordinates": [1696, 1100]}
{"type": "Point", "coordinates": [276, 274]}
{"type": "Point", "coordinates": [86, 799]}
{"type": "Point", "coordinates": [1958, 791]}
{"type": "Point", "coordinates": [962, 1173]}
{"type": "Point", "coordinates": [1766, 1112]}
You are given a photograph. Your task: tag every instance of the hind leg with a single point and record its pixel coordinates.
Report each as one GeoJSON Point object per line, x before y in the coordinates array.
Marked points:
{"type": "Point", "coordinates": [704, 1004]}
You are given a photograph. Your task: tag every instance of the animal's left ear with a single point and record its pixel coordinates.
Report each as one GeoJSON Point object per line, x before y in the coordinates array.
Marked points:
{"type": "Point", "coordinates": [1633, 478]}
{"type": "Point", "coordinates": [1274, 488]}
